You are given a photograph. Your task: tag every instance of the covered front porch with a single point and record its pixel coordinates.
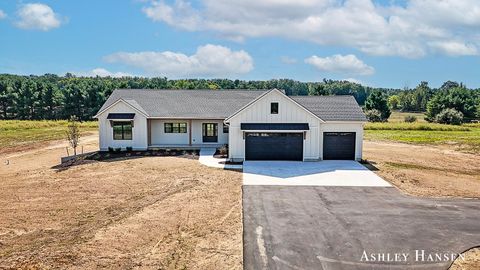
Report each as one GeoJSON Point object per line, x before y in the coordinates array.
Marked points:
{"type": "Point", "coordinates": [186, 133]}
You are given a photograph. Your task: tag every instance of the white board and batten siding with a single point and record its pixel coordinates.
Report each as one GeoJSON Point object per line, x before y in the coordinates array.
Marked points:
{"type": "Point", "coordinates": [139, 131]}
{"type": "Point", "coordinates": [288, 112]}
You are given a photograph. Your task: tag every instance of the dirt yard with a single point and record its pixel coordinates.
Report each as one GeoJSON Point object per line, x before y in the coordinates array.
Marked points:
{"type": "Point", "coordinates": [426, 170]}
{"type": "Point", "coordinates": [145, 213]}
{"type": "Point", "coordinates": [471, 262]}
{"type": "Point", "coordinates": [165, 212]}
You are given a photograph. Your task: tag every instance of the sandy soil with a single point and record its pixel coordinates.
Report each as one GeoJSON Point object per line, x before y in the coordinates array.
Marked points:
{"type": "Point", "coordinates": [471, 262]}
{"type": "Point", "coordinates": [145, 213]}
{"type": "Point", "coordinates": [165, 212]}
{"type": "Point", "coordinates": [426, 170]}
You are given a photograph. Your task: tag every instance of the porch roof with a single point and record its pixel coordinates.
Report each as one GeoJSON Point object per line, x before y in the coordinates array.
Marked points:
{"type": "Point", "coordinates": [274, 126]}
{"type": "Point", "coordinates": [122, 116]}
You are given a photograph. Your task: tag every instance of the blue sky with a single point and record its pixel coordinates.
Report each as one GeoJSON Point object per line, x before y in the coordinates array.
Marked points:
{"type": "Point", "coordinates": [380, 43]}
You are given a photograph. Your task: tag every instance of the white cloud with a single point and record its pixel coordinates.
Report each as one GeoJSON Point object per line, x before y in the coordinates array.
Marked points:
{"type": "Point", "coordinates": [3, 15]}
{"type": "Point", "coordinates": [37, 16]}
{"type": "Point", "coordinates": [411, 30]}
{"type": "Point", "coordinates": [343, 64]}
{"type": "Point", "coordinates": [353, 80]}
{"type": "Point", "coordinates": [454, 48]}
{"type": "Point", "coordinates": [288, 60]}
{"type": "Point", "coordinates": [181, 14]}
{"type": "Point", "coordinates": [101, 72]}
{"type": "Point", "coordinates": [208, 61]}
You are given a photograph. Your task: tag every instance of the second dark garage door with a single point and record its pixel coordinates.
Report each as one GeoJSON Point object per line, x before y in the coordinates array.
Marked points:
{"type": "Point", "coordinates": [339, 145]}
{"type": "Point", "coordinates": [273, 146]}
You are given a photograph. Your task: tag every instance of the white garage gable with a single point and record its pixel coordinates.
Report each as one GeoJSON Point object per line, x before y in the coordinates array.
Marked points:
{"type": "Point", "coordinates": [259, 111]}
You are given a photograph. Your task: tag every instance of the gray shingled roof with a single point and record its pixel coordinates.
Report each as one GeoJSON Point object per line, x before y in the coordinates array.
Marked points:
{"type": "Point", "coordinates": [221, 104]}
{"type": "Point", "coordinates": [217, 104]}
{"type": "Point", "coordinates": [332, 108]}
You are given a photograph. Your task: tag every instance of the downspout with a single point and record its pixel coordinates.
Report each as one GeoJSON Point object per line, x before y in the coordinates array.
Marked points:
{"type": "Point", "coordinates": [190, 132]}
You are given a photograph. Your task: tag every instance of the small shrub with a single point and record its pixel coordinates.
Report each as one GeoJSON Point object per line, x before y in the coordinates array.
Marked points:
{"type": "Point", "coordinates": [449, 116]}
{"type": "Point", "coordinates": [374, 115]}
{"type": "Point", "coordinates": [410, 119]}
{"type": "Point", "coordinates": [110, 149]}
{"type": "Point", "coordinates": [118, 149]}
{"type": "Point", "coordinates": [223, 150]}
{"type": "Point", "coordinates": [129, 149]}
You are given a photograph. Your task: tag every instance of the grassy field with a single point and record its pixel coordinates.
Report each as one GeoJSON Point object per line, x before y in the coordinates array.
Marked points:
{"type": "Point", "coordinates": [16, 133]}
{"type": "Point", "coordinates": [465, 137]}
{"type": "Point", "coordinates": [396, 117]}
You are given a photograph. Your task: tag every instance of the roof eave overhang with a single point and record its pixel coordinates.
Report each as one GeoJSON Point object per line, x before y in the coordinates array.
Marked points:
{"type": "Point", "coordinates": [115, 103]}
{"type": "Point", "coordinates": [185, 118]}
{"type": "Point", "coordinates": [346, 122]}
{"type": "Point", "coordinates": [274, 126]}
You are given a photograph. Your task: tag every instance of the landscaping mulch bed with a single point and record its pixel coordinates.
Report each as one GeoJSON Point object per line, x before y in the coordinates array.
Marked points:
{"type": "Point", "coordinates": [107, 155]}
{"type": "Point", "coordinates": [231, 163]}
{"type": "Point", "coordinates": [221, 152]}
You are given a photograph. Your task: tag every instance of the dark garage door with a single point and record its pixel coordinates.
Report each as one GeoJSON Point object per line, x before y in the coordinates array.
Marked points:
{"type": "Point", "coordinates": [274, 146]}
{"type": "Point", "coordinates": [339, 145]}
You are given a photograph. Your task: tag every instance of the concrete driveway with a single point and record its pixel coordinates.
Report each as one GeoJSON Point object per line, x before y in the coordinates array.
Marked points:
{"type": "Point", "coordinates": [325, 173]}
{"type": "Point", "coordinates": [352, 227]}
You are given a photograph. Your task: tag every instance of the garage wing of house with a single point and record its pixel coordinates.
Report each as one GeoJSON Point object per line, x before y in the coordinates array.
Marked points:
{"type": "Point", "coordinates": [255, 124]}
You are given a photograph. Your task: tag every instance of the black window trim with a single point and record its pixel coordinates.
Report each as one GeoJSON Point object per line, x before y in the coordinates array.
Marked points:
{"type": "Point", "coordinates": [225, 128]}
{"type": "Point", "coordinates": [177, 127]}
{"type": "Point", "coordinates": [123, 130]}
{"type": "Point", "coordinates": [274, 108]}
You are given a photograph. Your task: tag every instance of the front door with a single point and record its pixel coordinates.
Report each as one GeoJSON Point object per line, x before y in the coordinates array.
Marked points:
{"type": "Point", "coordinates": [210, 132]}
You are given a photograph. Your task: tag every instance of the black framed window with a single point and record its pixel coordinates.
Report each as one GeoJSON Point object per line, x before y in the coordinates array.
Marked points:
{"type": "Point", "coordinates": [225, 128]}
{"type": "Point", "coordinates": [274, 108]}
{"type": "Point", "coordinates": [175, 127]}
{"type": "Point", "coordinates": [210, 129]}
{"type": "Point", "coordinates": [122, 130]}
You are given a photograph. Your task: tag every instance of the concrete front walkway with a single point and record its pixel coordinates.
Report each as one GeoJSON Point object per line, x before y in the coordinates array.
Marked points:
{"type": "Point", "coordinates": [206, 158]}
{"type": "Point", "coordinates": [323, 173]}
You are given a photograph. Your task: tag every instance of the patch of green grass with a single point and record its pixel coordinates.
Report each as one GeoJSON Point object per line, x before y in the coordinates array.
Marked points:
{"type": "Point", "coordinates": [464, 140]}
{"type": "Point", "coordinates": [23, 132]}
{"type": "Point", "coordinates": [465, 137]}
{"type": "Point", "coordinates": [414, 126]}
{"type": "Point", "coordinates": [401, 165]}
{"type": "Point", "coordinates": [397, 116]}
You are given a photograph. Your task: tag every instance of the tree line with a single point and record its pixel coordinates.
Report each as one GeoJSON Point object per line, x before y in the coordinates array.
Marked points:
{"type": "Point", "coordinates": [58, 97]}
{"type": "Point", "coordinates": [452, 103]}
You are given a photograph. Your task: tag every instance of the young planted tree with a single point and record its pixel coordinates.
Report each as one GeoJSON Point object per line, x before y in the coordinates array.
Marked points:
{"type": "Point", "coordinates": [73, 133]}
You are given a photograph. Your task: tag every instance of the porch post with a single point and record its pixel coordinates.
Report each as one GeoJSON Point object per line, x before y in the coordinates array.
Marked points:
{"type": "Point", "coordinates": [190, 132]}
{"type": "Point", "coordinates": [149, 131]}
